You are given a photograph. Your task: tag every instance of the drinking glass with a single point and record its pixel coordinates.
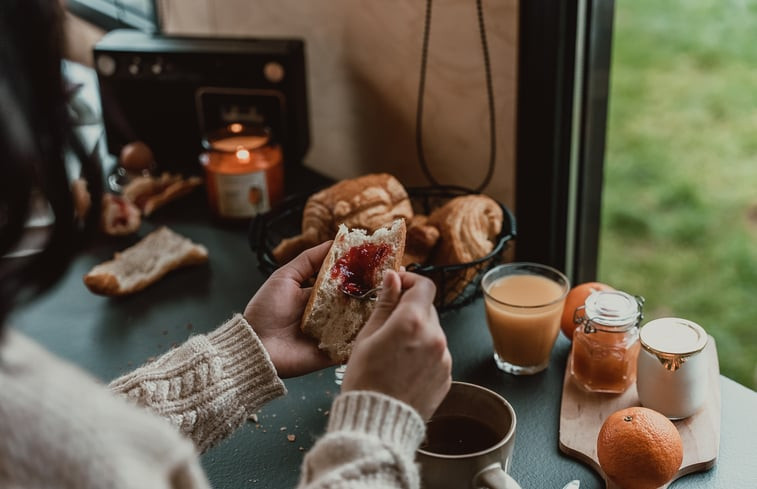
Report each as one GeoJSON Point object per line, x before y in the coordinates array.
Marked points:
{"type": "Point", "coordinates": [524, 303]}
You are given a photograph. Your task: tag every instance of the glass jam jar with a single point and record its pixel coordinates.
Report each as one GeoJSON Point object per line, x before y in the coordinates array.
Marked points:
{"type": "Point", "coordinates": [244, 171]}
{"type": "Point", "coordinates": [672, 374]}
{"type": "Point", "coordinates": [606, 342]}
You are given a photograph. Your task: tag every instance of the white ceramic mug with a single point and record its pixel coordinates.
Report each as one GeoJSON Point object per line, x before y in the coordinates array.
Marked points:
{"type": "Point", "coordinates": [488, 464]}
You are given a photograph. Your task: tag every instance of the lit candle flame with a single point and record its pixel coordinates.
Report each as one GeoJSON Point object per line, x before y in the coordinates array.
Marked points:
{"type": "Point", "coordinates": [243, 155]}
{"type": "Point", "coordinates": [235, 127]}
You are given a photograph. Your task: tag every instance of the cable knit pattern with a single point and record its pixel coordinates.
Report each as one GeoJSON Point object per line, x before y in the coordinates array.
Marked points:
{"type": "Point", "coordinates": [60, 427]}
{"type": "Point", "coordinates": [371, 443]}
{"type": "Point", "coordinates": [209, 385]}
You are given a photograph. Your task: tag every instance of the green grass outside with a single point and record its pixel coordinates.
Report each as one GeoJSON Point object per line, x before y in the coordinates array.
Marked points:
{"type": "Point", "coordinates": [679, 217]}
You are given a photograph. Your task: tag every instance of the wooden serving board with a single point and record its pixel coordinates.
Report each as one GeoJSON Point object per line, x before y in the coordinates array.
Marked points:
{"type": "Point", "coordinates": [582, 414]}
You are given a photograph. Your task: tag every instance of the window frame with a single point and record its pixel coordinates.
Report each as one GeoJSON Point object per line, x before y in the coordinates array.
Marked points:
{"type": "Point", "coordinates": [563, 87]}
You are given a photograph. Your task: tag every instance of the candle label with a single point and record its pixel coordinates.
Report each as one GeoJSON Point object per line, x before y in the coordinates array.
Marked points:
{"type": "Point", "coordinates": [244, 195]}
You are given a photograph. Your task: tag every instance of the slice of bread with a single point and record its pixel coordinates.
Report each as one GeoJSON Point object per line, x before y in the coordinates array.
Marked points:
{"type": "Point", "coordinates": [144, 263]}
{"type": "Point", "coordinates": [356, 262]}
{"type": "Point", "coordinates": [149, 193]}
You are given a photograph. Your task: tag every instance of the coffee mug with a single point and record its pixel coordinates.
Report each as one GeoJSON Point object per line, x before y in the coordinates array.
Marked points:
{"type": "Point", "coordinates": [469, 441]}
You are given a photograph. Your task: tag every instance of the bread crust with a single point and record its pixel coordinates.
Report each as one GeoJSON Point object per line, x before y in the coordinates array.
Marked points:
{"type": "Point", "coordinates": [144, 263]}
{"type": "Point", "coordinates": [333, 317]}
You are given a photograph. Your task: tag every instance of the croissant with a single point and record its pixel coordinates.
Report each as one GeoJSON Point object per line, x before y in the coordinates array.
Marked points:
{"type": "Point", "coordinates": [366, 202]}
{"type": "Point", "coordinates": [468, 227]}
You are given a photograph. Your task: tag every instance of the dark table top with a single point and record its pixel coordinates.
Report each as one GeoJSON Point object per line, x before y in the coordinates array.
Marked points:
{"type": "Point", "coordinates": [110, 336]}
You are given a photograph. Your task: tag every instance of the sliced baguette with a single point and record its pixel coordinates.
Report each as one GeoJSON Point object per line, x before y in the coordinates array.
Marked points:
{"type": "Point", "coordinates": [144, 263]}
{"type": "Point", "coordinates": [331, 316]}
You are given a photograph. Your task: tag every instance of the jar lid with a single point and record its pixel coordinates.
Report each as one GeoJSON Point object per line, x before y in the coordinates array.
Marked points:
{"type": "Point", "coordinates": [612, 308]}
{"type": "Point", "coordinates": [673, 336]}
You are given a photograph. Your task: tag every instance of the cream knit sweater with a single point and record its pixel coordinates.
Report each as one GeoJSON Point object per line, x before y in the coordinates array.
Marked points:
{"type": "Point", "coordinates": [61, 428]}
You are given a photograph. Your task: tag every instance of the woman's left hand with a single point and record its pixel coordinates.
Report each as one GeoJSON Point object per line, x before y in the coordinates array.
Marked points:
{"type": "Point", "coordinates": [275, 311]}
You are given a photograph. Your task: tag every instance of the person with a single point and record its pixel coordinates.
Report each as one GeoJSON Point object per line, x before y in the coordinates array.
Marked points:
{"type": "Point", "coordinates": [60, 427]}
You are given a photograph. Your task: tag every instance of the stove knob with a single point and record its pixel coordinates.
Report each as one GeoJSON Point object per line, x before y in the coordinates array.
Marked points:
{"type": "Point", "coordinates": [106, 65]}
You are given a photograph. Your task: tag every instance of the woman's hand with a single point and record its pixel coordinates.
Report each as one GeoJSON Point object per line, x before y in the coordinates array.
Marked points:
{"type": "Point", "coordinates": [275, 312]}
{"type": "Point", "coordinates": [402, 350]}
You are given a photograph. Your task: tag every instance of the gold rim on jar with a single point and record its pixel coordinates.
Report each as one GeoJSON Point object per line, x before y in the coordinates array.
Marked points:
{"type": "Point", "coordinates": [672, 340]}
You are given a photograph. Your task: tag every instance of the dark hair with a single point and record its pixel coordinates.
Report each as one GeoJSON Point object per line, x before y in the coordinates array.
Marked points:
{"type": "Point", "coordinates": [35, 132]}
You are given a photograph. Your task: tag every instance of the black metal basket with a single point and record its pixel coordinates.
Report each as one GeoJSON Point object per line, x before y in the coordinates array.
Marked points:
{"type": "Point", "coordinates": [457, 285]}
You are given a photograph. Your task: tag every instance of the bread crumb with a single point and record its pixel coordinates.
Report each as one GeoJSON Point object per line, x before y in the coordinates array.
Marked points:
{"type": "Point", "coordinates": [291, 437]}
{"type": "Point", "coordinates": [283, 428]}
{"type": "Point", "coordinates": [253, 417]}
{"type": "Point", "coordinates": [302, 449]}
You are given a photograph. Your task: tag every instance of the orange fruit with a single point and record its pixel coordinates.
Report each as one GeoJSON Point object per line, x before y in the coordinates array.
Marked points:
{"type": "Point", "coordinates": [576, 298]}
{"type": "Point", "coordinates": [639, 448]}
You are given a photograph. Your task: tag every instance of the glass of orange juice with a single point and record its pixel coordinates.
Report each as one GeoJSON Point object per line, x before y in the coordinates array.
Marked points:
{"type": "Point", "coordinates": [524, 303]}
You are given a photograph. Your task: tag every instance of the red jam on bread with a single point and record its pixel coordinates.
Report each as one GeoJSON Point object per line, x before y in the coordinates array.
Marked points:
{"type": "Point", "coordinates": [356, 269]}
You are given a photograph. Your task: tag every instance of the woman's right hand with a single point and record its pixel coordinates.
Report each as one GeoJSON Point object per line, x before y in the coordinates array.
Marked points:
{"type": "Point", "coordinates": [402, 351]}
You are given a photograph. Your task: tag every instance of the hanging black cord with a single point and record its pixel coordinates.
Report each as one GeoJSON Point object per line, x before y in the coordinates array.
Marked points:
{"type": "Point", "coordinates": [489, 93]}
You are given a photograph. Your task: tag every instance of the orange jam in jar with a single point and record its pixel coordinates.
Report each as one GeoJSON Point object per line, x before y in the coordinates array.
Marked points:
{"type": "Point", "coordinates": [244, 171]}
{"type": "Point", "coordinates": [606, 343]}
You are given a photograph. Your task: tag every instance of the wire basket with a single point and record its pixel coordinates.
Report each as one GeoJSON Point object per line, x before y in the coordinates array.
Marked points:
{"type": "Point", "coordinates": [457, 285]}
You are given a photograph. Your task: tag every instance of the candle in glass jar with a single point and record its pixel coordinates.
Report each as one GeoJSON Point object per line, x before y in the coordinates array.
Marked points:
{"type": "Point", "coordinates": [244, 171]}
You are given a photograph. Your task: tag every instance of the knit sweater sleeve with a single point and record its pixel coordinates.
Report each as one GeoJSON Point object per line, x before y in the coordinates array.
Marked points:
{"type": "Point", "coordinates": [370, 443]}
{"type": "Point", "coordinates": [209, 385]}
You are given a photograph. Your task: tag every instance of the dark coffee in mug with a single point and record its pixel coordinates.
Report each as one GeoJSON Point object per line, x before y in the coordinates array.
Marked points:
{"type": "Point", "coordinates": [469, 441]}
{"type": "Point", "coordinates": [457, 435]}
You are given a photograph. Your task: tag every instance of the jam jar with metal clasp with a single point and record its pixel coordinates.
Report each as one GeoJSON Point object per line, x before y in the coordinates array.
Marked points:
{"type": "Point", "coordinates": [606, 342]}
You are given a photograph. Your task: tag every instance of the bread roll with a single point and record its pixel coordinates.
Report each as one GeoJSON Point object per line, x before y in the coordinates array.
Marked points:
{"type": "Point", "coordinates": [356, 262]}
{"type": "Point", "coordinates": [366, 202]}
{"type": "Point", "coordinates": [144, 263]}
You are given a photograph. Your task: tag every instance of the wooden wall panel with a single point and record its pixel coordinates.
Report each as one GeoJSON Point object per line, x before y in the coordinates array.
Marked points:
{"type": "Point", "coordinates": [363, 70]}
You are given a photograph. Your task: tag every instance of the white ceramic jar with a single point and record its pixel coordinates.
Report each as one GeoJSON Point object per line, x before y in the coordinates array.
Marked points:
{"type": "Point", "coordinates": [672, 374]}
